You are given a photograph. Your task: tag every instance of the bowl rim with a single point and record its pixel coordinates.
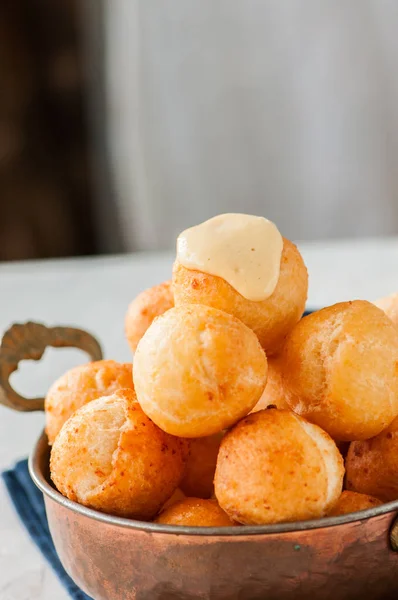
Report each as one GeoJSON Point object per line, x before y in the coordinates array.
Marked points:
{"type": "Point", "coordinates": [41, 449]}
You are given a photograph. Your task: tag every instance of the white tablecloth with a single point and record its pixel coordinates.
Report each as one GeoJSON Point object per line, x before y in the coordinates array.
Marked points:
{"type": "Point", "coordinates": [94, 294]}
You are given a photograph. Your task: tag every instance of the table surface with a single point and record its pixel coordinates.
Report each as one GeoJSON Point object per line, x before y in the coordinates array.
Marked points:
{"type": "Point", "coordinates": [93, 294]}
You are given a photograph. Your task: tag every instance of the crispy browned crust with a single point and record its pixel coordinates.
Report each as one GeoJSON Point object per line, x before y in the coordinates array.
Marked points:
{"type": "Point", "coordinates": [372, 465]}
{"type": "Point", "coordinates": [340, 370]}
{"type": "Point", "coordinates": [195, 512]}
{"type": "Point", "coordinates": [81, 385]}
{"type": "Point", "coordinates": [148, 305]}
{"type": "Point", "coordinates": [198, 370]}
{"type": "Point", "coordinates": [201, 466]}
{"type": "Point", "coordinates": [271, 319]}
{"type": "Point", "coordinates": [275, 467]}
{"type": "Point", "coordinates": [111, 457]}
{"type": "Point", "coordinates": [350, 502]}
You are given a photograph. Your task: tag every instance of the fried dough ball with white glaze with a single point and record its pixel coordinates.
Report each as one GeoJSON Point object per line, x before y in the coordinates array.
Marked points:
{"type": "Point", "coordinates": [270, 319]}
{"type": "Point", "coordinates": [350, 502]}
{"type": "Point", "coordinates": [81, 385]}
{"type": "Point", "coordinates": [340, 370]}
{"type": "Point", "coordinates": [372, 465]}
{"type": "Point", "coordinates": [148, 305]}
{"type": "Point", "coordinates": [274, 393]}
{"type": "Point", "coordinates": [389, 305]}
{"type": "Point", "coordinates": [195, 512]}
{"type": "Point", "coordinates": [275, 467]}
{"type": "Point", "coordinates": [198, 370]}
{"type": "Point", "coordinates": [201, 466]}
{"type": "Point", "coordinates": [109, 456]}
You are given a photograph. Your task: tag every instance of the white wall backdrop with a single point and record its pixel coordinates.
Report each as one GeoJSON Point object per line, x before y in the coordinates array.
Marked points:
{"type": "Point", "coordinates": [287, 109]}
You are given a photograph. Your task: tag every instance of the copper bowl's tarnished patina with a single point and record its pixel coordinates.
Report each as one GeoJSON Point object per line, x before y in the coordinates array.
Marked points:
{"type": "Point", "coordinates": [110, 558]}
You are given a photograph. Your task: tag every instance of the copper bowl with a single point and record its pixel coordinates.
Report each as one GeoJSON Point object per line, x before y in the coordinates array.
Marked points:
{"type": "Point", "coordinates": [111, 558]}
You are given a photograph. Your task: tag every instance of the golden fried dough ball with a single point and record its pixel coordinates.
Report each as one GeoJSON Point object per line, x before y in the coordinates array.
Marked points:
{"type": "Point", "coordinates": [350, 502]}
{"type": "Point", "coordinates": [111, 457]}
{"type": "Point", "coordinates": [270, 319]}
{"type": "Point", "coordinates": [144, 309]}
{"type": "Point", "coordinates": [174, 498]}
{"type": "Point", "coordinates": [372, 465]}
{"type": "Point", "coordinates": [389, 305]}
{"type": "Point", "coordinates": [201, 465]}
{"type": "Point", "coordinates": [80, 386]}
{"type": "Point", "coordinates": [274, 467]}
{"type": "Point", "coordinates": [195, 512]}
{"type": "Point", "coordinates": [274, 393]}
{"type": "Point", "coordinates": [198, 370]}
{"type": "Point", "coordinates": [340, 370]}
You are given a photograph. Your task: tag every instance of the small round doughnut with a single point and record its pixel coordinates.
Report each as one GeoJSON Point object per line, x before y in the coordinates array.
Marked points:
{"type": "Point", "coordinates": [81, 385]}
{"type": "Point", "coordinates": [201, 465]}
{"type": "Point", "coordinates": [372, 465]}
{"type": "Point", "coordinates": [389, 304]}
{"type": "Point", "coordinates": [111, 457]}
{"type": "Point", "coordinates": [350, 502]}
{"type": "Point", "coordinates": [274, 393]}
{"type": "Point", "coordinates": [270, 319]}
{"type": "Point", "coordinates": [195, 512]}
{"type": "Point", "coordinates": [198, 370]}
{"type": "Point", "coordinates": [275, 467]}
{"type": "Point", "coordinates": [148, 305]}
{"type": "Point", "coordinates": [340, 370]}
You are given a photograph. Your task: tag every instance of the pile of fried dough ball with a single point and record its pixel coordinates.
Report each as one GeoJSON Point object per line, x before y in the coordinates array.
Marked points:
{"type": "Point", "coordinates": [234, 412]}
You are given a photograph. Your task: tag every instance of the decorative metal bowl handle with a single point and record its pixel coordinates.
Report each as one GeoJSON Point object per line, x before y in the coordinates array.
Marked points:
{"type": "Point", "coordinates": [28, 342]}
{"type": "Point", "coordinates": [394, 535]}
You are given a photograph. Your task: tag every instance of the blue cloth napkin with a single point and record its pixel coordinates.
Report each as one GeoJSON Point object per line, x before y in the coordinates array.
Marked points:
{"type": "Point", "coordinates": [29, 504]}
